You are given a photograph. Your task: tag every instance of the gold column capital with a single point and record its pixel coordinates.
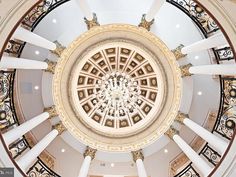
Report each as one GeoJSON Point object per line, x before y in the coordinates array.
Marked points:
{"type": "Point", "coordinates": [181, 116]}
{"type": "Point", "coordinates": [137, 155]}
{"type": "Point", "coordinates": [91, 23]}
{"type": "Point", "coordinates": [145, 24]}
{"type": "Point", "coordinates": [51, 66]}
{"type": "Point", "coordinates": [51, 110]}
{"type": "Point", "coordinates": [90, 152]}
{"type": "Point", "coordinates": [59, 127]}
{"type": "Point", "coordinates": [171, 132]}
{"type": "Point", "coordinates": [177, 52]}
{"type": "Point", "coordinates": [59, 49]}
{"type": "Point", "coordinates": [185, 70]}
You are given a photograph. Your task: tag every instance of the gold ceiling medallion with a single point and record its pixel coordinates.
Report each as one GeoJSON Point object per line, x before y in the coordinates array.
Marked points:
{"type": "Point", "coordinates": [117, 82]}
{"type": "Point", "coordinates": [146, 24]}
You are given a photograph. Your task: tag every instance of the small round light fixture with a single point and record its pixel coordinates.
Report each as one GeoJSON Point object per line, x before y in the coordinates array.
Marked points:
{"type": "Point", "coordinates": [196, 57]}
{"type": "Point", "coordinates": [54, 21]}
{"type": "Point", "coordinates": [177, 25]}
{"type": "Point", "coordinates": [63, 150]}
{"type": "Point", "coordinates": [112, 165]}
{"type": "Point", "coordinates": [36, 87]}
{"type": "Point", "coordinates": [37, 52]}
{"type": "Point", "coordinates": [166, 151]}
{"type": "Point", "coordinates": [199, 93]}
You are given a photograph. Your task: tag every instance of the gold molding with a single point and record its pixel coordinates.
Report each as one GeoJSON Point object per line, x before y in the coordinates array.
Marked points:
{"type": "Point", "coordinates": [145, 24]}
{"type": "Point", "coordinates": [90, 152]}
{"type": "Point", "coordinates": [181, 116]}
{"type": "Point", "coordinates": [51, 110]}
{"type": "Point", "coordinates": [91, 23]}
{"type": "Point", "coordinates": [137, 155]}
{"type": "Point", "coordinates": [59, 127]}
{"type": "Point", "coordinates": [185, 70]}
{"type": "Point", "coordinates": [177, 52]}
{"type": "Point", "coordinates": [59, 49]}
{"type": "Point", "coordinates": [171, 132]}
{"type": "Point", "coordinates": [51, 66]}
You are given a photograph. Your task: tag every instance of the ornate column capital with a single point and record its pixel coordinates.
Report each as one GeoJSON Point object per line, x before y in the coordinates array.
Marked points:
{"type": "Point", "coordinates": [145, 24]}
{"type": "Point", "coordinates": [185, 70]}
{"type": "Point", "coordinates": [90, 152]}
{"type": "Point", "coordinates": [91, 23]}
{"type": "Point", "coordinates": [59, 127]}
{"type": "Point", "coordinates": [51, 66]}
{"type": "Point", "coordinates": [171, 132]}
{"type": "Point", "coordinates": [181, 116]}
{"type": "Point", "coordinates": [60, 48]}
{"type": "Point", "coordinates": [177, 52]}
{"type": "Point", "coordinates": [52, 111]}
{"type": "Point", "coordinates": [137, 155]}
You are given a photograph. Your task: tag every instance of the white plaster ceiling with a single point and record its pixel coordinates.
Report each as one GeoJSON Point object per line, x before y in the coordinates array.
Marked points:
{"type": "Point", "coordinates": [172, 26]}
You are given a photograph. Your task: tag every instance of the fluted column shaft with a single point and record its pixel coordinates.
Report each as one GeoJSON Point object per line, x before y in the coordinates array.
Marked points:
{"type": "Point", "coordinates": [155, 7]}
{"type": "Point", "coordinates": [17, 132]}
{"type": "Point", "coordinates": [25, 161]}
{"type": "Point", "coordinates": [218, 144]}
{"type": "Point", "coordinates": [138, 159]}
{"type": "Point", "coordinates": [222, 69]}
{"type": "Point", "coordinates": [141, 168]}
{"type": "Point", "coordinates": [211, 42]}
{"type": "Point", "coordinates": [32, 38]}
{"type": "Point", "coordinates": [89, 155]}
{"type": "Point", "coordinates": [85, 167]}
{"type": "Point", "coordinates": [193, 156]}
{"type": "Point", "coordinates": [21, 63]}
{"type": "Point", "coordinates": [85, 9]}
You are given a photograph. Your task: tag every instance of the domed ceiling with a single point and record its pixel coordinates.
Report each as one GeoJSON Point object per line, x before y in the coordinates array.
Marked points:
{"type": "Point", "coordinates": [117, 88]}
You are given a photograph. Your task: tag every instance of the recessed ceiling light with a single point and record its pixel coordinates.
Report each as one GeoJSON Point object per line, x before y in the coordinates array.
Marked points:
{"type": "Point", "coordinates": [63, 150]}
{"type": "Point", "coordinates": [196, 57]}
{"type": "Point", "coordinates": [36, 87]}
{"type": "Point", "coordinates": [37, 52]}
{"type": "Point", "coordinates": [112, 164]}
{"type": "Point", "coordinates": [177, 26]}
{"type": "Point", "coordinates": [199, 93]}
{"type": "Point", "coordinates": [166, 151]}
{"type": "Point", "coordinates": [54, 20]}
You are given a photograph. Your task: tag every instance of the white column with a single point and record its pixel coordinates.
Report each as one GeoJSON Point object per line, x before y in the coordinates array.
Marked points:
{"type": "Point", "coordinates": [85, 167]}
{"type": "Point", "coordinates": [218, 144]}
{"type": "Point", "coordinates": [222, 69]}
{"type": "Point", "coordinates": [15, 133]}
{"type": "Point", "coordinates": [156, 5]}
{"type": "Point", "coordinates": [27, 159]}
{"type": "Point", "coordinates": [141, 168]}
{"type": "Point", "coordinates": [211, 42]}
{"type": "Point", "coordinates": [85, 9]}
{"type": "Point", "coordinates": [21, 63]}
{"type": "Point", "coordinates": [32, 38]}
{"type": "Point", "coordinates": [193, 156]}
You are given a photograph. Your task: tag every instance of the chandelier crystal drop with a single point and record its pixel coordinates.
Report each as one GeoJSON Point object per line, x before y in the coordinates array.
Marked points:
{"type": "Point", "coordinates": [117, 93]}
